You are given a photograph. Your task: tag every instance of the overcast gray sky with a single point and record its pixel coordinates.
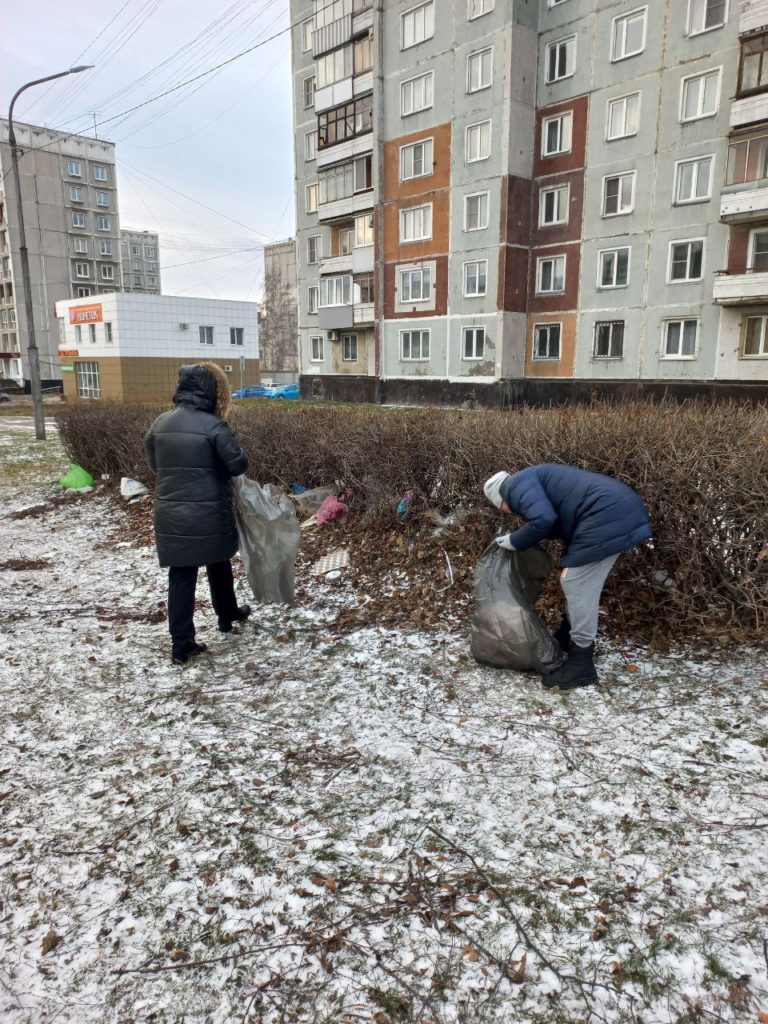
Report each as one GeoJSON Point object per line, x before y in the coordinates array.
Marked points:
{"type": "Point", "coordinates": [225, 141]}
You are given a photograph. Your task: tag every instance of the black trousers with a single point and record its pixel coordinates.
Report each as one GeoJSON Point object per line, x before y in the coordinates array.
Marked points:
{"type": "Point", "coordinates": [182, 581]}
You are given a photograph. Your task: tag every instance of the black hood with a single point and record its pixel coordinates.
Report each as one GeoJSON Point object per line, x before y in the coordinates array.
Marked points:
{"type": "Point", "coordinates": [196, 388]}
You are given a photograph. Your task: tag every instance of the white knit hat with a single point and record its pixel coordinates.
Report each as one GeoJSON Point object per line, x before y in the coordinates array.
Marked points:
{"type": "Point", "coordinates": [492, 488]}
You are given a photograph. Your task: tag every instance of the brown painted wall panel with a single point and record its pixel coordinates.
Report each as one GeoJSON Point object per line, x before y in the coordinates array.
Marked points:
{"type": "Point", "coordinates": [738, 248]}
{"type": "Point", "coordinates": [577, 156]}
{"type": "Point", "coordinates": [393, 188]}
{"type": "Point", "coordinates": [559, 233]}
{"type": "Point", "coordinates": [567, 299]}
{"type": "Point", "coordinates": [513, 279]}
{"type": "Point", "coordinates": [553, 368]}
{"type": "Point", "coordinates": [440, 288]}
{"type": "Point", "coordinates": [515, 210]}
{"type": "Point", "coordinates": [411, 251]}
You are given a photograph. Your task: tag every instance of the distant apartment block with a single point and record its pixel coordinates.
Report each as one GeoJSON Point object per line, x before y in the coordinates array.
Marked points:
{"type": "Point", "coordinates": [140, 261]}
{"type": "Point", "coordinates": [559, 190]}
{"type": "Point", "coordinates": [278, 317]}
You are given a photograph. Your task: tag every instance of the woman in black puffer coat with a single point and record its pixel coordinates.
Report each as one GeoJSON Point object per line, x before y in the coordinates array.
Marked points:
{"type": "Point", "coordinates": [194, 454]}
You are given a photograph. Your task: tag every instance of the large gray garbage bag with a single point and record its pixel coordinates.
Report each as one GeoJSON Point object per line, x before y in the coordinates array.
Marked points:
{"type": "Point", "coordinates": [506, 631]}
{"type": "Point", "coordinates": [269, 533]}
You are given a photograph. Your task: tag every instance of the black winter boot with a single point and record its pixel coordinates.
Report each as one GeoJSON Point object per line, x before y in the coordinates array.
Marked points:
{"type": "Point", "coordinates": [563, 635]}
{"type": "Point", "coordinates": [225, 626]}
{"type": "Point", "coordinates": [181, 655]}
{"type": "Point", "coordinates": [577, 670]}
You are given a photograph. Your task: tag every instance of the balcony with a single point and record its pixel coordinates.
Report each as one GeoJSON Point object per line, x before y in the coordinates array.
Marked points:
{"type": "Point", "coordinates": [335, 318]}
{"type": "Point", "coordinates": [744, 205]}
{"type": "Point", "coordinates": [346, 150]}
{"type": "Point", "coordinates": [753, 17]}
{"type": "Point", "coordinates": [345, 209]}
{"type": "Point", "coordinates": [341, 264]}
{"type": "Point", "coordinates": [332, 36]}
{"type": "Point", "coordinates": [363, 314]}
{"type": "Point", "coordinates": [749, 110]}
{"type": "Point", "coordinates": [333, 95]}
{"type": "Point", "coordinates": [747, 289]}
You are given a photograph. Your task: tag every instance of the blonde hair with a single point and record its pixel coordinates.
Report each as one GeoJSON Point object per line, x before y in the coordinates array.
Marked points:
{"type": "Point", "coordinates": [223, 390]}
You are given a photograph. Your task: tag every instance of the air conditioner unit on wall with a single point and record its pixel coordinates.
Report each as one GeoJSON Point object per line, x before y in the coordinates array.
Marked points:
{"type": "Point", "coordinates": [227, 369]}
{"type": "Point", "coordinates": [183, 327]}
{"type": "Point", "coordinates": [333, 335]}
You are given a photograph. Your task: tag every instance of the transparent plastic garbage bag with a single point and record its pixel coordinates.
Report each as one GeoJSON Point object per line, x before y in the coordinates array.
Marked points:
{"type": "Point", "coordinates": [506, 631]}
{"type": "Point", "coordinates": [268, 531]}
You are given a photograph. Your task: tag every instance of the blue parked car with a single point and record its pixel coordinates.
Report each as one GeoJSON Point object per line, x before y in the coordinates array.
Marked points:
{"type": "Point", "coordinates": [253, 391]}
{"type": "Point", "coordinates": [290, 391]}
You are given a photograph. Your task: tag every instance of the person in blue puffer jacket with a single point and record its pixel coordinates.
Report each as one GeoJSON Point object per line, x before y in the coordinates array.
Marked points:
{"type": "Point", "coordinates": [597, 518]}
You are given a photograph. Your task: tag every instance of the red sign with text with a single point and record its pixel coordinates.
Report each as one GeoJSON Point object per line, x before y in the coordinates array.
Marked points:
{"type": "Point", "coordinates": [85, 314]}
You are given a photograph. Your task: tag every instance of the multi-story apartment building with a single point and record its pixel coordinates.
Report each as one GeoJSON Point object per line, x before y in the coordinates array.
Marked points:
{"type": "Point", "coordinates": [69, 194]}
{"type": "Point", "coordinates": [140, 261]}
{"type": "Point", "coordinates": [562, 191]}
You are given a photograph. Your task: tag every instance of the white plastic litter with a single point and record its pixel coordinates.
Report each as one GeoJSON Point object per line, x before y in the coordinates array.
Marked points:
{"type": "Point", "coordinates": [269, 533]}
{"type": "Point", "coordinates": [130, 488]}
{"type": "Point", "coordinates": [334, 560]}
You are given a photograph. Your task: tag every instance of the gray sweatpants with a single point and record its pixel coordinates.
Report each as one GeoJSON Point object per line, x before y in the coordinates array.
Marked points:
{"type": "Point", "coordinates": [582, 586]}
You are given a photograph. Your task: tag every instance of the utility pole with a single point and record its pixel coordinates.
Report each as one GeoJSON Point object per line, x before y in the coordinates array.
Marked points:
{"type": "Point", "coordinates": [33, 357]}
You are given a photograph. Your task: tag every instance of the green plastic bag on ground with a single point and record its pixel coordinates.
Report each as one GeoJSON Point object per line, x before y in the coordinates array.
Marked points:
{"type": "Point", "coordinates": [76, 478]}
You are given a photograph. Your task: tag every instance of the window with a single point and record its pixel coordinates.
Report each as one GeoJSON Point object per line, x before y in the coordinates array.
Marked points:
{"type": "Point", "coordinates": [102, 198]}
{"type": "Point", "coordinates": [136, 265]}
{"type": "Point", "coordinates": [152, 268]}
{"type": "Point", "coordinates": [553, 205]}
{"type": "Point", "coordinates": [83, 292]}
{"type": "Point", "coordinates": [151, 282]}
{"type": "Point", "coordinates": [706, 14]}
{"type": "Point", "coordinates": [136, 250]}
{"type": "Point", "coordinates": [307, 30]}
{"type": "Point", "coordinates": [417, 94]}
{"type": "Point", "coordinates": [556, 134]}
{"type": "Point", "coordinates": [474, 343]}
{"type": "Point", "coordinates": [310, 145]}
{"type": "Point", "coordinates": [700, 95]}
{"type": "Point", "coordinates": [334, 67]}
{"type": "Point", "coordinates": [346, 238]}
{"type": "Point", "coordinates": [618, 194]}
{"type": "Point", "coordinates": [74, 169]}
{"type": "Point", "coordinates": [107, 273]}
{"type": "Point", "coordinates": [312, 192]}
{"type": "Point", "coordinates": [416, 285]}
{"type": "Point", "coordinates": [363, 168]}
{"type": "Point", "coordinates": [755, 337]}
{"type": "Point", "coordinates": [99, 173]}
{"type": "Point", "coordinates": [314, 243]}
{"type": "Point", "coordinates": [417, 25]}
{"type": "Point", "coordinates": [364, 283]}
{"type": "Point", "coordinates": [150, 252]}
{"type": "Point", "coordinates": [363, 230]}
{"type": "Point", "coordinates": [137, 280]}
{"type": "Point", "coordinates": [546, 341]}
{"type": "Point", "coordinates": [478, 142]}
{"type": "Point", "coordinates": [206, 335]}
{"type": "Point", "coordinates": [753, 69]}
{"type": "Point", "coordinates": [103, 223]}
{"type": "Point", "coordinates": [623, 116]}
{"type": "Point", "coordinates": [475, 278]}
{"type": "Point", "coordinates": [92, 333]}
{"type": "Point", "coordinates": [87, 377]}
{"type": "Point", "coordinates": [414, 345]}
{"type": "Point", "coordinates": [75, 194]}
{"type": "Point", "coordinates": [680, 337]}
{"type": "Point", "coordinates": [345, 122]}
{"type": "Point", "coordinates": [313, 298]}
{"type": "Point", "coordinates": [309, 92]}
{"type": "Point", "coordinates": [79, 330]}
{"type": "Point", "coordinates": [629, 34]}
{"type": "Point", "coordinates": [561, 59]}
{"type": "Point", "coordinates": [476, 211]}
{"type": "Point", "coordinates": [758, 251]}
{"type": "Point", "coordinates": [349, 348]}
{"type": "Point", "coordinates": [480, 70]}
{"type": "Point", "coordinates": [477, 8]}
{"type": "Point", "coordinates": [416, 160]}
{"type": "Point", "coordinates": [105, 247]}
{"type": "Point", "coordinates": [78, 220]}
{"type": "Point", "coordinates": [336, 291]}
{"type": "Point", "coordinates": [316, 349]}
{"type": "Point", "coordinates": [692, 180]}
{"type": "Point", "coordinates": [362, 55]}
{"type": "Point", "coordinates": [686, 260]}
{"type": "Point", "coordinates": [550, 275]}
{"type": "Point", "coordinates": [108, 332]}
{"type": "Point", "coordinates": [236, 336]}
{"type": "Point", "coordinates": [83, 269]}
{"type": "Point", "coordinates": [81, 245]}
{"type": "Point", "coordinates": [416, 223]}
{"type": "Point", "coordinates": [613, 268]}
{"type": "Point", "coordinates": [609, 339]}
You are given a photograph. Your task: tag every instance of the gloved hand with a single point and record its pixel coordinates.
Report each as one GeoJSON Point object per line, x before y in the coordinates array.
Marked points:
{"type": "Point", "coordinates": [504, 542]}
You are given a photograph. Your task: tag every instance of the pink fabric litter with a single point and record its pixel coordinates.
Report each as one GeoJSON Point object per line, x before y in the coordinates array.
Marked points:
{"type": "Point", "coordinates": [331, 509]}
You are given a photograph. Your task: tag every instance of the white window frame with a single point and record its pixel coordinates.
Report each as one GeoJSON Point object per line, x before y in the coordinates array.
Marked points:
{"type": "Point", "coordinates": [108, 338]}
{"type": "Point", "coordinates": [427, 77]}
{"type": "Point", "coordinates": [613, 251]}
{"type": "Point", "coordinates": [751, 248]}
{"type": "Point", "coordinates": [486, 51]}
{"type": "Point", "coordinates": [87, 380]}
{"type": "Point", "coordinates": [310, 145]}
{"type": "Point", "coordinates": [237, 336]}
{"type": "Point", "coordinates": [478, 8]}
{"type": "Point", "coordinates": [82, 293]}
{"type": "Point", "coordinates": [81, 246]}
{"type": "Point", "coordinates": [689, 242]}
{"type": "Point", "coordinates": [102, 199]}
{"type": "Point", "coordinates": [363, 237]}
{"type": "Point", "coordinates": [427, 160]}
{"type": "Point", "coordinates": [665, 325]}
{"type": "Point", "coordinates": [312, 189]}
{"type": "Point", "coordinates": [700, 113]}
{"type": "Point", "coordinates": [347, 347]}
{"type": "Point", "coordinates": [312, 307]}
{"type": "Point", "coordinates": [479, 125]}
{"type": "Point", "coordinates": [425, 290]}
{"type": "Point", "coordinates": [411, 13]}
{"type": "Point", "coordinates": [625, 100]}
{"type": "Point", "coordinates": [83, 271]}
{"type": "Point", "coordinates": [479, 272]}
{"type": "Point", "coordinates": [103, 223]}
{"type": "Point", "coordinates": [307, 31]}
{"type": "Point", "coordinates": [308, 100]}
{"type": "Point", "coordinates": [421, 358]}
{"type": "Point", "coordinates": [547, 359]}
{"type": "Point", "coordinates": [107, 272]}
{"type": "Point", "coordinates": [763, 353]}
{"type": "Point", "coordinates": [424, 217]}
{"type": "Point", "coordinates": [566, 41]}
{"type": "Point", "coordinates": [621, 211]}
{"type": "Point", "coordinates": [565, 119]}
{"type": "Point", "coordinates": [621, 20]}
{"type": "Point", "coordinates": [318, 247]}
{"type": "Point", "coordinates": [100, 173]}
{"type": "Point", "coordinates": [474, 331]}
{"type": "Point", "coordinates": [540, 261]}
{"type": "Point", "coordinates": [316, 347]}
{"type": "Point", "coordinates": [612, 324]}
{"type": "Point", "coordinates": [696, 161]}
{"type": "Point", "coordinates": [105, 247]}
{"type": "Point", "coordinates": [342, 288]}
{"type": "Point", "coordinates": [74, 169]}
{"type": "Point", "coordinates": [699, 31]}
{"type": "Point", "coordinates": [477, 195]}
{"type": "Point", "coordinates": [205, 334]}
{"type": "Point", "coordinates": [75, 193]}
{"type": "Point", "coordinates": [564, 189]}
{"type": "Point", "coordinates": [79, 331]}
{"type": "Point", "coordinates": [92, 333]}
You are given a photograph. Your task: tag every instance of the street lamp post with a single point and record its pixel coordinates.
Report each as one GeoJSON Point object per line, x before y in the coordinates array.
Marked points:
{"type": "Point", "coordinates": [33, 356]}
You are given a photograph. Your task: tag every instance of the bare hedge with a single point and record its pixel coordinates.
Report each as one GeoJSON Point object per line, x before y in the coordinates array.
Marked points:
{"type": "Point", "coordinates": [702, 470]}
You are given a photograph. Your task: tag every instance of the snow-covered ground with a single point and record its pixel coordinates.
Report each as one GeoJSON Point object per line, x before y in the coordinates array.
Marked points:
{"type": "Point", "coordinates": [309, 826]}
